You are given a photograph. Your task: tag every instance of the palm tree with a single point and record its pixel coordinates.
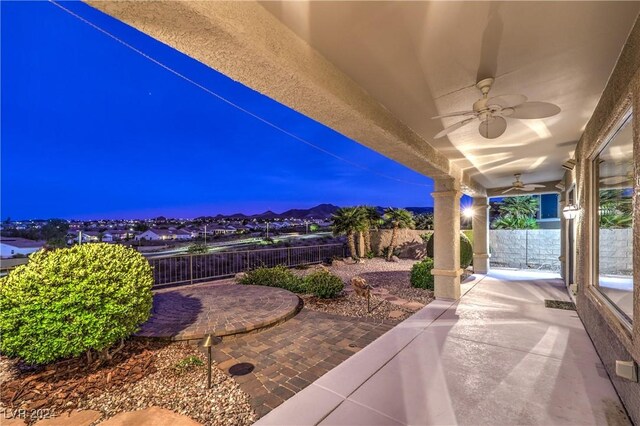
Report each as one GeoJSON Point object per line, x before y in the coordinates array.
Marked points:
{"type": "Point", "coordinates": [372, 222]}
{"type": "Point", "coordinates": [524, 206]}
{"type": "Point", "coordinates": [347, 221]}
{"type": "Point", "coordinates": [397, 218]}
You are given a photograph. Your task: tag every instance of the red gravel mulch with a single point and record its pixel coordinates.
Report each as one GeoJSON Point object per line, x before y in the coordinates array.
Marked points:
{"type": "Point", "coordinates": [63, 384]}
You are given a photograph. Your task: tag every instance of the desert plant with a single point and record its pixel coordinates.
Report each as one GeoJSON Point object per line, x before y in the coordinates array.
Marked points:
{"type": "Point", "coordinates": [398, 219]}
{"type": "Point", "coordinates": [71, 301]}
{"type": "Point", "coordinates": [347, 221]}
{"type": "Point", "coordinates": [513, 222]}
{"type": "Point", "coordinates": [278, 276]}
{"type": "Point", "coordinates": [188, 363]}
{"type": "Point", "coordinates": [324, 284]}
{"type": "Point", "coordinates": [466, 249]}
{"type": "Point", "coordinates": [421, 274]}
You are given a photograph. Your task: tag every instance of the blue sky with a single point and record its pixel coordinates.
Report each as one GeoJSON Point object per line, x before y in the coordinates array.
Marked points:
{"type": "Point", "coordinates": [91, 129]}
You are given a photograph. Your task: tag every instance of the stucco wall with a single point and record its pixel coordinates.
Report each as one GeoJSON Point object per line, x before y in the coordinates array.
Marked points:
{"type": "Point", "coordinates": [541, 248]}
{"type": "Point", "coordinates": [409, 242]}
{"type": "Point", "coordinates": [615, 256]}
{"type": "Point", "coordinates": [612, 339]}
{"type": "Point", "coordinates": [535, 248]}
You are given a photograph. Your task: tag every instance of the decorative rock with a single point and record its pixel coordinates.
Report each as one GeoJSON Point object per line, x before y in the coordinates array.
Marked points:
{"type": "Point", "coordinates": [240, 275]}
{"type": "Point", "coordinates": [395, 259]}
{"type": "Point", "coordinates": [396, 314]}
{"type": "Point", "coordinates": [73, 418]}
{"type": "Point", "coordinates": [321, 268]}
{"type": "Point", "coordinates": [360, 286]}
{"type": "Point", "coordinates": [152, 416]}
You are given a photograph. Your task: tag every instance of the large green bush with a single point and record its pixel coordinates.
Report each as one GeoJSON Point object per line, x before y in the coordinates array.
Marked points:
{"type": "Point", "coordinates": [67, 302]}
{"type": "Point", "coordinates": [279, 276]}
{"type": "Point", "coordinates": [466, 249]}
{"type": "Point", "coordinates": [324, 284]}
{"type": "Point", "coordinates": [421, 274]}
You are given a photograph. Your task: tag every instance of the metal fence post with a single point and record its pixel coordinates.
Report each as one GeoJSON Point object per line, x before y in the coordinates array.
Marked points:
{"type": "Point", "coordinates": [288, 256]}
{"type": "Point", "coordinates": [191, 269]}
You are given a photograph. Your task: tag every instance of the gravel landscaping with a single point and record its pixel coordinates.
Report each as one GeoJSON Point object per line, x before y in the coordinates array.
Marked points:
{"type": "Point", "coordinates": [352, 305]}
{"type": "Point", "coordinates": [146, 373]}
{"type": "Point", "coordinates": [386, 277]}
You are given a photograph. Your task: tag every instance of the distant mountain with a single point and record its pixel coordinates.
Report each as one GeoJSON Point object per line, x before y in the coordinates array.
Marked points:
{"type": "Point", "coordinates": [321, 211]}
{"type": "Point", "coordinates": [318, 212]}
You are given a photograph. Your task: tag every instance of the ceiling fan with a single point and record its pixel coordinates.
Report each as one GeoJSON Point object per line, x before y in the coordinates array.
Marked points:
{"type": "Point", "coordinates": [518, 185]}
{"type": "Point", "coordinates": [491, 112]}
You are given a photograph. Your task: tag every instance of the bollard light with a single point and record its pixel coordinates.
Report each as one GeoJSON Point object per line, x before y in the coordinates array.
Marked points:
{"type": "Point", "coordinates": [208, 342]}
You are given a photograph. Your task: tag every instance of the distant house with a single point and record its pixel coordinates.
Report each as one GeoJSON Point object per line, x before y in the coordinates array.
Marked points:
{"type": "Point", "coordinates": [164, 234]}
{"type": "Point", "coordinates": [11, 247]}
{"type": "Point", "coordinates": [116, 235]}
{"type": "Point", "coordinates": [221, 230]}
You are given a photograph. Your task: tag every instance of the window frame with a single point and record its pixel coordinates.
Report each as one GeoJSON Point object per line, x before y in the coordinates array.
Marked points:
{"type": "Point", "coordinates": [625, 118]}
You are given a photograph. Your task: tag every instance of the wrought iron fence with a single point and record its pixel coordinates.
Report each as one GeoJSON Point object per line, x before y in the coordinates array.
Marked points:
{"type": "Point", "coordinates": [192, 268]}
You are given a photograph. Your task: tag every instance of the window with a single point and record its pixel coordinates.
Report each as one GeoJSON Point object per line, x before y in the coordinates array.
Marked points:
{"type": "Point", "coordinates": [549, 206]}
{"type": "Point", "coordinates": [613, 182]}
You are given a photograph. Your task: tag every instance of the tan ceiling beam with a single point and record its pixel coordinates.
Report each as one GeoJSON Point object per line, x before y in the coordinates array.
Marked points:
{"type": "Point", "coordinates": [245, 42]}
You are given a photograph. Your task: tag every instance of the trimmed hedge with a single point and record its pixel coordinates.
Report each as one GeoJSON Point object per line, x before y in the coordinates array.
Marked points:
{"type": "Point", "coordinates": [69, 301]}
{"type": "Point", "coordinates": [279, 276]}
{"type": "Point", "coordinates": [421, 274]}
{"type": "Point", "coordinates": [466, 250]}
{"type": "Point", "coordinates": [324, 284]}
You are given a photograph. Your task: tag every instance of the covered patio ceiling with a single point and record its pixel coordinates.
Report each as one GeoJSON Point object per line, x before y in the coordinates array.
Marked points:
{"type": "Point", "coordinates": [422, 59]}
{"type": "Point", "coordinates": [377, 71]}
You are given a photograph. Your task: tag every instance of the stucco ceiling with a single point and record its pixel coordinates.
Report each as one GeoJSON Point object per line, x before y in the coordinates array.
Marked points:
{"type": "Point", "coordinates": [421, 59]}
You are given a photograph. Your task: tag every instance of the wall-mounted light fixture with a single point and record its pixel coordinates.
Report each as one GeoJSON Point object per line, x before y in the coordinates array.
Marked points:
{"type": "Point", "coordinates": [571, 211]}
{"type": "Point", "coordinates": [467, 212]}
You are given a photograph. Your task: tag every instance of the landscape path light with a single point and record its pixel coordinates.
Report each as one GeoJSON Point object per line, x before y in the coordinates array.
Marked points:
{"type": "Point", "coordinates": [208, 342]}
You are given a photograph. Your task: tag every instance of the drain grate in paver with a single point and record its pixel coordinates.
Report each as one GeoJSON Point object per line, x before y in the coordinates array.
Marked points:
{"type": "Point", "coordinates": [560, 304]}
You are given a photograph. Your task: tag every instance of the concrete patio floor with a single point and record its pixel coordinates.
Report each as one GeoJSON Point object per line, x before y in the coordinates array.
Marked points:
{"type": "Point", "coordinates": [496, 356]}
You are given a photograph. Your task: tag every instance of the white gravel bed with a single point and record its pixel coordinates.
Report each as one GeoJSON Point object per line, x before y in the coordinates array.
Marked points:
{"type": "Point", "coordinates": [183, 392]}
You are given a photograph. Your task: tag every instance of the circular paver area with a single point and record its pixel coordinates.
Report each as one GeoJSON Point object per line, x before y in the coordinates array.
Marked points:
{"type": "Point", "coordinates": [220, 310]}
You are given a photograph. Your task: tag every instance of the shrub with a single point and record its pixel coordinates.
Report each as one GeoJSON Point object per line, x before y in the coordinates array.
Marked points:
{"type": "Point", "coordinates": [466, 249]}
{"type": "Point", "coordinates": [197, 248]}
{"type": "Point", "coordinates": [421, 274]}
{"type": "Point", "coordinates": [278, 276]}
{"type": "Point", "coordinates": [67, 302]}
{"type": "Point", "coordinates": [324, 284]}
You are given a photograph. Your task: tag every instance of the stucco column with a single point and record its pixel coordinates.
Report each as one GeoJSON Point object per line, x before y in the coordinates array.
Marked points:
{"type": "Point", "coordinates": [446, 249]}
{"type": "Point", "coordinates": [563, 241]}
{"type": "Point", "coordinates": [480, 225]}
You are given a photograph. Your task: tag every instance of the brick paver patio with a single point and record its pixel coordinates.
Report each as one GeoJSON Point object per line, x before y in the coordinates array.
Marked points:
{"type": "Point", "coordinates": [192, 312]}
{"type": "Point", "coordinates": [289, 357]}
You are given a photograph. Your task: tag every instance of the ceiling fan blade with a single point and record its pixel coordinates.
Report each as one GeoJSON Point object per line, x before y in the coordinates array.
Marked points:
{"type": "Point", "coordinates": [492, 128]}
{"type": "Point", "coordinates": [534, 185]}
{"type": "Point", "coordinates": [508, 190]}
{"type": "Point", "coordinates": [526, 188]}
{"type": "Point", "coordinates": [533, 110]}
{"type": "Point", "coordinates": [453, 127]}
{"type": "Point", "coordinates": [454, 114]}
{"type": "Point", "coordinates": [507, 101]}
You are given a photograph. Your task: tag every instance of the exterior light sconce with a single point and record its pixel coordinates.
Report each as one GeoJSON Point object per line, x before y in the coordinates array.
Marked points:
{"type": "Point", "coordinates": [571, 211]}
{"type": "Point", "coordinates": [467, 212]}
